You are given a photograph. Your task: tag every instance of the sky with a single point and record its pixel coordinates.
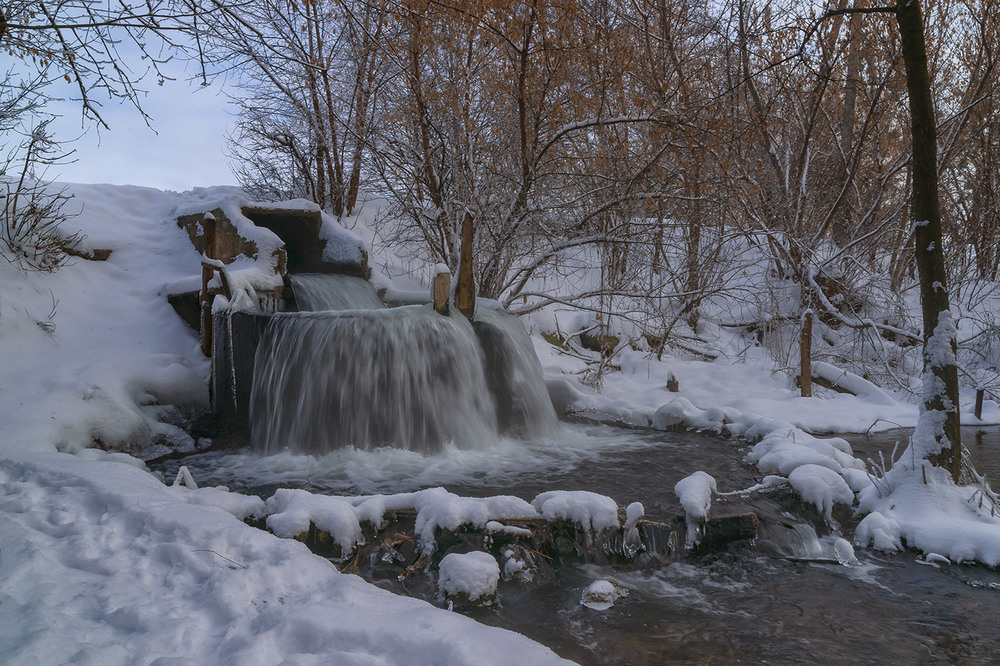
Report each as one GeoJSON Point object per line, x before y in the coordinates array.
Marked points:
{"type": "Point", "coordinates": [184, 148]}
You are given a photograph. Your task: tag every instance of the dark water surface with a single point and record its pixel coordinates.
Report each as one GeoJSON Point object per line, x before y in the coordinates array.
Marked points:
{"type": "Point", "coordinates": [751, 604]}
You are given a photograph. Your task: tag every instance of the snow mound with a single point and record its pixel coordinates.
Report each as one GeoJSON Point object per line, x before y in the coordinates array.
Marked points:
{"type": "Point", "coordinates": [695, 494]}
{"type": "Point", "coordinates": [879, 532]}
{"type": "Point", "coordinates": [292, 510]}
{"type": "Point", "coordinates": [593, 512]}
{"type": "Point", "coordinates": [473, 575]}
{"type": "Point", "coordinates": [821, 487]}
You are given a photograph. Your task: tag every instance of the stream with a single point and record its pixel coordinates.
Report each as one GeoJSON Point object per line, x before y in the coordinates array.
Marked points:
{"type": "Point", "coordinates": [754, 603]}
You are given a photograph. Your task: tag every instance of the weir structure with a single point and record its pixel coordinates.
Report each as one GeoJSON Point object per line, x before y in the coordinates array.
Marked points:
{"type": "Point", "coordinates": [325, 364]}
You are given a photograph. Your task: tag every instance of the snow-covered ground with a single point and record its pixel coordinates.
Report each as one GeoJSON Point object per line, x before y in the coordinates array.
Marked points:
{"type": "Point", "coordinates": [101, 562]}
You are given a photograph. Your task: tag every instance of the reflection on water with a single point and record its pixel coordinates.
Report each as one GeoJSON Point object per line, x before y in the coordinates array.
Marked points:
{"type": "Point", "coordinates": [753, 604]}
{"type": "Point", "coordinates": [982, 442]}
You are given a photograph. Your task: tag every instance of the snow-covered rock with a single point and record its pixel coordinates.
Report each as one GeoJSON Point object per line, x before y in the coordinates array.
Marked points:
{"type": "Point", "coordinates": [821, 487]}
{"type": "Point", "coordinates": [602, 594]}
{"type": "Point", "coordinates": [469, 577]}
{"type": "Point", "coordinates": [593, 512]}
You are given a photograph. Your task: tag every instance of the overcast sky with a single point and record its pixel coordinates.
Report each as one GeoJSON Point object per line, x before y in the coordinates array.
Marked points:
{"type": "Point", "coordinates": [184, 148]}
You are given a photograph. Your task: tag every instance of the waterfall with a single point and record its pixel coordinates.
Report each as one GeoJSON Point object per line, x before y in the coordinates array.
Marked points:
{"type": "Point", "coordinates": [314, 292]}
{"type": "Point", "coordinates": [514, 376]}
{"type": "Point", "coordinates": [405, 377]}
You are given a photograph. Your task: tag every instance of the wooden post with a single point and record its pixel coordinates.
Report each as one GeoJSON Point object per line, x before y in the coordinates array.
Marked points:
{"type": "Point", "coordinates": [980, 393]}
{"type": "Point", "coordinates": [465, 289]}
{"type": "Point", "coordinates": [441, 289]}
{"type": "Point", "coordinates": [208, 224]}
{"type": "Point", "coordinates": [805, 354]}
{"type": "Point", "coordinates": [672, 384]}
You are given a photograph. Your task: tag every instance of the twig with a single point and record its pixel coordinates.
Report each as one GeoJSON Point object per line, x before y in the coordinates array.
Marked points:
{"type": "Point", "coordinates": [207, 550]}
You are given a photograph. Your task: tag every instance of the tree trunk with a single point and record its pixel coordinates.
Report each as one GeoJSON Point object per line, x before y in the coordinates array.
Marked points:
{"type": "Point", "coordinates": [940, 390]}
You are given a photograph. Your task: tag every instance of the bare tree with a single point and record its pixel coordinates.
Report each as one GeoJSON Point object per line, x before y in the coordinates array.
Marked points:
{"type": "Point", "coordinates": [103, 51]}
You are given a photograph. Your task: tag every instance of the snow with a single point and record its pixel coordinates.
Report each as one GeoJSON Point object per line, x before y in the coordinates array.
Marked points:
{"type": "Point", "coordinates": [291, 510]}
{"type": "Point", "coordinates": [436, 508]}
{"type": "Point", "coordinates": [602, 594]}
{"type": "Point", "coordinates": [103, 564]}
{"type": "Point", "coordinates": [821, 487]}
{"type": "Point", "coordinates": [634, 512]}
{"type": "Point", "coordinates": [593, 512]}
{"type": "Point", "coordinates": [849, 381]}
{"type": "Point", "coordinates": [926, 510]}
{"type": "Point", "coordinates": [474, 575]}
{"type": "Point", "coordinates": [695, 494]}
{"type": "Point", "coordinates": [879, 532]}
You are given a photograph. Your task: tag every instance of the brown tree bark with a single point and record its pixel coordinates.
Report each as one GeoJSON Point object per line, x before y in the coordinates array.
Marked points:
{"type": "Point", "coordinates": [465, 288]}
{"type": "Point", "coordinates": [941, 393]}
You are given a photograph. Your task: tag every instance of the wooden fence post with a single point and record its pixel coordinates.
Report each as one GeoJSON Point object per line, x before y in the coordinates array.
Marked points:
{"type": "Point", "coordinates": [441, 289]}
{"type": "Point", "coordinates": [208, 224]}
{"type": "Point", "coordinates": [465, 288]}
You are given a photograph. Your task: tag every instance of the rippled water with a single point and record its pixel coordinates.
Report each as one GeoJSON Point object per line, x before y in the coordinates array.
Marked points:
{"type": "Point", "coordinates": [752, 604]}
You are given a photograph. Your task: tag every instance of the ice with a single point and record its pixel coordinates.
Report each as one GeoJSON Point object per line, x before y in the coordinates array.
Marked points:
{"type": "Point", "coordinates": [602, 594]}
{"type": "Point", "coordinates": [844, 552]}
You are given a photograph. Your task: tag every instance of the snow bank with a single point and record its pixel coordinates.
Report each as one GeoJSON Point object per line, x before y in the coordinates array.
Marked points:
{"type": "Point", "coordinates": [104, 564]}
{"type": "Point", "coordinates": [472, 575]}
{"type": "Point", "coordinates": [926, 510]}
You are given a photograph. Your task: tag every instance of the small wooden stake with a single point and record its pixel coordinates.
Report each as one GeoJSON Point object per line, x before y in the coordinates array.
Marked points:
{"type": "Point", "coordinates": [980, 393]}
{"type": "Point", "coordinates": [805, 354]}
{"type": "Point", "coordinates": [208, 224]}
{"type": "Point", "coordinates": [672, 384]}
{"type": "Point", "coordinates": [441, 289]}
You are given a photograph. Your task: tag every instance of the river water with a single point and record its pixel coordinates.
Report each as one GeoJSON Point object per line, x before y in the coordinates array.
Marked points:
{"type": "Point", "coordinates": [755, 603]}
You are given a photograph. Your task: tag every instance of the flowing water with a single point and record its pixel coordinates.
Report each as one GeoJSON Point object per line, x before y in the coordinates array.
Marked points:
{"type": "Point", "coordinates": [406, 378]}
{"type": "Point", "coordinates": [374, 402]}
{"type": "Point", "coordinates": [315, 292]}
{"type": "Point", "coordinates": [762, 603]}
